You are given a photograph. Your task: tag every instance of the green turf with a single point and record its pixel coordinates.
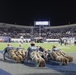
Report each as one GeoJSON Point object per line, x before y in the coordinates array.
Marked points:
{"type": "Point", "coordinates": [68, 48]}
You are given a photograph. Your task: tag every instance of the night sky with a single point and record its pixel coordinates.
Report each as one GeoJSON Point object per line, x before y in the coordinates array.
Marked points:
{"type": "Point", "coordinates": [25, 12]}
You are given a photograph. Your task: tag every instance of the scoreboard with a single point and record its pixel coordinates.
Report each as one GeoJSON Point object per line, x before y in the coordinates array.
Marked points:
{"type": "Point", "coordinates": [42, 23]}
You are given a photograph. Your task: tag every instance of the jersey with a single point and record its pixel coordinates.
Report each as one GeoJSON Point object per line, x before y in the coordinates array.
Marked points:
{"type": "Point", "coordinates": [7, 49]}
{"type": "Point", "coordinates": [20, 48]}
{"type": "Point", "coordinates": [32, 48]}
{"type": "Point", "coordinates": [56, 49]}
{"type": "Point", "coordinates": [41, 49]}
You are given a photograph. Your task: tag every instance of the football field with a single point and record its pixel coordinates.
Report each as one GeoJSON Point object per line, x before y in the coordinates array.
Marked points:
{"type": "Point", "coordinates": [47, 46]}
{"type": "Point", "coordinates": [9, 67]}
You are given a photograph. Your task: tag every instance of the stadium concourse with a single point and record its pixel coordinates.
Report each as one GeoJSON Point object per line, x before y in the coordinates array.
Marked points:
{"type": "Point", "coordinates": [29, 68]}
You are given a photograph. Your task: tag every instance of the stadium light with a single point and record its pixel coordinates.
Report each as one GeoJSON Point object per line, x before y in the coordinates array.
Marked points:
{"type": "Point", "coordinates": [42, 23]}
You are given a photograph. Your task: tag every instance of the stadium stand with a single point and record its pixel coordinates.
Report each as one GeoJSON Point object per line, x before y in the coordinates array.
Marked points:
{"type": "Point", "coordinates": [52, 32]}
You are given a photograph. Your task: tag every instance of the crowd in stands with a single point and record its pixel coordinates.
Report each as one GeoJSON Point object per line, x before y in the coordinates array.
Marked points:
{"type": "Point", "coordinates": [28, 32]}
